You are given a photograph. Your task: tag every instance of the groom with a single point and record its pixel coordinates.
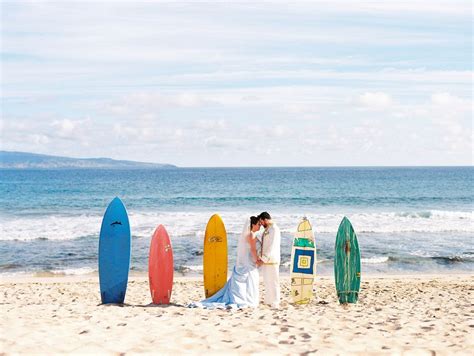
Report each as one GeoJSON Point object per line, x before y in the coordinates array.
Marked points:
{"type": "Point", "coordinates": [269, 259]}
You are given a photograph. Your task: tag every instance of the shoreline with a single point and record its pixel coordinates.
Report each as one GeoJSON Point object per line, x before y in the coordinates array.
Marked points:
{"type": "Point", "coordinates": [417, 314]}
{"type": "Point", "coordinates": [46, 276]}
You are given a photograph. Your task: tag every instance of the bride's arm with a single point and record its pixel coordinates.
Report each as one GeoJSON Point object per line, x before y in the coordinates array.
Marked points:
{"type": "Point", "coordinates": [253, 247]}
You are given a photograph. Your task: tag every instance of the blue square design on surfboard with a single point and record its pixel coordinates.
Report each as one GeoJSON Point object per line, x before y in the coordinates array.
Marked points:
{"type": "Point", "coordinates": [303, 261]}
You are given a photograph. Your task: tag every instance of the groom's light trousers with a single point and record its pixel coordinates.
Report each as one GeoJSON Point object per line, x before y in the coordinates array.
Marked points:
{"type": "Point", "coordinates": [271, 281]}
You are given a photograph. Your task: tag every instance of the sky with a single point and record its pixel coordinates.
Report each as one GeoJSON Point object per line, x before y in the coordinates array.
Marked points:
{"type": "Point", "coordinates": [322, 83]}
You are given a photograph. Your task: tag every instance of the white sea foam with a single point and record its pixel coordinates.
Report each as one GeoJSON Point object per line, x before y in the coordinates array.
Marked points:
{"type": "Point", "coordinates": [374, 260]}
{"type": "Point", "coordinates": [193, 224]}
{"type": "Point", "coordinates": [74, 271]}
{"type": "Point", "coordinates": [60, 272]}
{"type": "Point", "coordinates": [196, 268]}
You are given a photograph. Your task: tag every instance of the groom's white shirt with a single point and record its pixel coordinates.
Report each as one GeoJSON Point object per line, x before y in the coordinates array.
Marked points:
{"type": "Point", "coordinates": [270, 255]}
{"type": "Point", "coordinates": [270, 245]}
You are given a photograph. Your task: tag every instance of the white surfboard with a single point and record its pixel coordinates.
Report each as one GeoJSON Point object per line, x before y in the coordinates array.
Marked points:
{"type": "Point", "coordinates": [303, 263]}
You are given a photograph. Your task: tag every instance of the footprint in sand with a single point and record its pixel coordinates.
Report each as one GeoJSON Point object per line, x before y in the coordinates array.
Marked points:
{"type": "Point", "coordinates": [305, 336]}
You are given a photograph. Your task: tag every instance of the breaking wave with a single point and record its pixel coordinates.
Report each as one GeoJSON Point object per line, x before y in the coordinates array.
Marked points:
{"type": "Point", "coordinates": [189, 224]}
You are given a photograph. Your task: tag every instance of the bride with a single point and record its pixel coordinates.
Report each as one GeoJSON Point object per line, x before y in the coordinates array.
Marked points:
{"type": "Point", "coordinates": [241, 290]}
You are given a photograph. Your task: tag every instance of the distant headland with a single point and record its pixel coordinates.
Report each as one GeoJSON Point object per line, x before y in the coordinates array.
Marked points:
{"type": "Point", "coordinates": [25, 160]}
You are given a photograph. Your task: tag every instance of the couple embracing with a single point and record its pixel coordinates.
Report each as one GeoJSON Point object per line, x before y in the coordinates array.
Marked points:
{"type": "Point", "coordinates": [254, 252]}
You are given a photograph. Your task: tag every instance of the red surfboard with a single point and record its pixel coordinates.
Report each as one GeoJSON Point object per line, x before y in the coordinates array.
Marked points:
{"type": "Point", "coordinates": [160, 266]}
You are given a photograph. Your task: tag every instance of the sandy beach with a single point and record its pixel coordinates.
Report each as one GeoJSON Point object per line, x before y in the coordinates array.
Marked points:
{"type": "Point", "coordinates": [395, 315]}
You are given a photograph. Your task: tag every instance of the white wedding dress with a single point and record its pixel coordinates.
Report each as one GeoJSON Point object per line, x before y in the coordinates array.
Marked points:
{"type": "Point", "coordinates": [241, 290]}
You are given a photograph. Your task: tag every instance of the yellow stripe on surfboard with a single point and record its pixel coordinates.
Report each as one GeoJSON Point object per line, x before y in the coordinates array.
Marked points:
{"type": "Point", "coordinates": [304, 225]}
{"type": "Point", "coordinates": [215, 256]}
{"type": "Point", "coordinates": [305, 230]}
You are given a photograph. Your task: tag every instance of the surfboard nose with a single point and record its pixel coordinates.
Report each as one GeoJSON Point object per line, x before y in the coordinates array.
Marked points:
{"type": "Point", "coordinates": [116, 200]}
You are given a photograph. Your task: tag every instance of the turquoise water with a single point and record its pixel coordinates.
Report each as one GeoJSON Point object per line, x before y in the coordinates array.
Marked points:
{"type": "Point", "coordinates": [407, 219]}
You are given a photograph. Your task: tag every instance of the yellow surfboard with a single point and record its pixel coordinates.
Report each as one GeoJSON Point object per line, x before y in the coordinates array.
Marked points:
{"type": "Point", "coordinates": [215, 256]}
{"type": "Point", "coordinates": [303, 263]}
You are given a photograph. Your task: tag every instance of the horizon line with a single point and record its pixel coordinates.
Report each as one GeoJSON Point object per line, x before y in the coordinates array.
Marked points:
{"type": "Point", "coordinates": [235, 167]}
{"type": "Point", "coordinates": [175, 166]}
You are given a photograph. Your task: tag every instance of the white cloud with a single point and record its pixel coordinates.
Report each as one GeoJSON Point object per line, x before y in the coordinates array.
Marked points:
{"type": "Point", "coordinates": [65, 128]}
{"type": "Point", "coordinates": [452, 101]}
{"type": "Point", "coordinates": [279, 131]}
{"type": "Point", "coordinates": [188, 100]}
{"type": "Point", "coordinates": [401, 76]}
{"type": "Point", "coordinates": [224, 142]}
{"type": "Point", "coordinates": [151, 102]}
{"type": "Point", "coordinates": [375, 100]}
{"type": "Point", "coordinates": [22, 131]}
{"type": "Point", "coordinates": [209, 125]}
{"type": "Point", "coordinates": [39, 139]}
{"type": "Point", "coordinates": [70, 129]}
{"type": "Point", "coordinates": [416, 7]}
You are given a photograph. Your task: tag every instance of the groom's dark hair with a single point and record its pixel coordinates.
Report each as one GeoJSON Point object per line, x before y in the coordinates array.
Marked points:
{"type": "Point", "coordinates": [264, 216]}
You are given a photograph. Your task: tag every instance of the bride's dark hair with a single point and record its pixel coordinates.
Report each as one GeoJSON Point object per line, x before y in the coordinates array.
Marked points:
{"type": "Point", "coordinates": [253, 220]}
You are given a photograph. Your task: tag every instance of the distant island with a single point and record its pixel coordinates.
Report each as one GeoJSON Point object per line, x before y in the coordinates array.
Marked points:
{"type": "Point", "coordinates": [25, 160]}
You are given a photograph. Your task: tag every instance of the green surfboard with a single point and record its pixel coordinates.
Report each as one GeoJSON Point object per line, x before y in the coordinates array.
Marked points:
{"type": "Point", "coordinates": [347, 263]}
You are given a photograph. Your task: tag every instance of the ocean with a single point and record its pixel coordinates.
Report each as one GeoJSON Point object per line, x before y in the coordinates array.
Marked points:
{"type": "Point", "coordinates": [407, 219]}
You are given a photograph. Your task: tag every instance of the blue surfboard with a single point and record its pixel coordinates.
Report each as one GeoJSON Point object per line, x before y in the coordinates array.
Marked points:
{"type": "Point", "coordinates": [114, 253]}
